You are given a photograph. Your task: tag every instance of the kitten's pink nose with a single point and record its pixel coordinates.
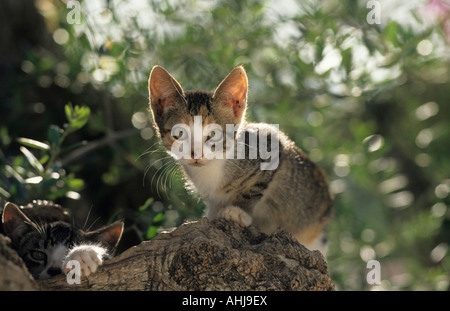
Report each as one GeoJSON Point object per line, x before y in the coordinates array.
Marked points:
{"type": "Point", "coordinates": [195, 156]}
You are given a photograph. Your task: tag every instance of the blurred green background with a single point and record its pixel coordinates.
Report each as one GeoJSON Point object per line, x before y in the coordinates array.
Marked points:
{"type": "Point", "coordinates": [361, 86]}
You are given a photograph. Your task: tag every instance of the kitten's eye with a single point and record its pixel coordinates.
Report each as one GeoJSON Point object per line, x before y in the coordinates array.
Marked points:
{"type": "Point", "coordinates": [179, 136]}
{"type": "Point", "coordinates": [175, 136]}
{"type": "Point", "coordinates": [38, 255]}
{"type": "Point", "coordinates": [214, 137]}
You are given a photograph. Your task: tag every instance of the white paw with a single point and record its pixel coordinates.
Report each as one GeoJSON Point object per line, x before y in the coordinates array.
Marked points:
{"type": "Point", "coordinates": [237, 215]}
{"type": "Point", "coordinates": [89, 257]}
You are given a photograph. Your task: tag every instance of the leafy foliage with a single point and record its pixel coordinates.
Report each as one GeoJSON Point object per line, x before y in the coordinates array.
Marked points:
{"type": "Point", "coordinates": [28, 176]}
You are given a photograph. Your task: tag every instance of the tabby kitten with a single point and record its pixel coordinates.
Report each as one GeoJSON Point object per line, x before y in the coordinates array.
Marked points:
{"type": "Point", "coordinates": [292, 193]}
{"type": "Point", "coordinates": [46, 241]}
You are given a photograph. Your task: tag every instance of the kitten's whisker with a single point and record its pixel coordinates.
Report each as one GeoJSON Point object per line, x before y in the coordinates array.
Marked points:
{"type": "Point", "coordinates": [147, 168]}
{"type": "Point", "coordinates": [154, 175]}
{"type": "Point", "coordinates": [170, 169]}
{"type": "Point", "coordinates": [161, 179]}
{"type": "Point", "coordinates": [151, 150]}
{"type": "Point", "coordinates": [87, 217]}
{"type": "Point", "coordinates": [39, 226]}
{"type": "Point", "coordinates": [161, 159]}
{"type": "Point", "coordinates": [88, 229]}
{"type": "Point", "coordinates": [145, 153]}
{"type": "Point", "coordinates": [42, 227]}
{"type": "Point", "coordinates": [162, 176]}
{"type": "Point", "coordinates": [249, 146]}
{"type": "Point", "coordinates": [154, 144]}
{"type": "Point", "coordinates": [173, 172]}
{"type": "Point", "coordinates": [167, 172]}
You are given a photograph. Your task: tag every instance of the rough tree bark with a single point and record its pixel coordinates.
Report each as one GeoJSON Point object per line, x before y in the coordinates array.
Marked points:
{"type": "Point", "coordinates": [201, 255]}
{"type": "Point", "coordinates": [13, 273]}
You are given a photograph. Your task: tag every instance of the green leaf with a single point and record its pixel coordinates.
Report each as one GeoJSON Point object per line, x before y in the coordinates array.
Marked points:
{"type": "Point", "coordinates": [151, 232]}
{"type": "Point", "coordinates": [391, 32]}
{"type": "Point", "coordinates": [146, 205]}
{"type": "Point", "coordinates": [68, 110]}
{"type": "Point", "coordinates": [77, 116]}
{"type": "Point", "coordinates": [347, 59]}
{"type": "Point", "coordinates": [32, 159]}
{"type": "Point", "coordinates": [44, 159]}
{"type": "Point", "coordinates": [54, 135]}
{"type": "Point", "coordinates": [158, 218]}
{"type": "Point", "coordinates": [76, 184]}
{"type": "Point", "coordinates": [33, 143]}
{"type": "Point", "coordinates": [13, 173]}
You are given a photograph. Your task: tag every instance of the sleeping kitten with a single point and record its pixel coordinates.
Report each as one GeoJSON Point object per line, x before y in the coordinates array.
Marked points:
{"type": "Point", "coordinates": [285, 190]}
{"type": "Point", "coordinates": [46, 241]}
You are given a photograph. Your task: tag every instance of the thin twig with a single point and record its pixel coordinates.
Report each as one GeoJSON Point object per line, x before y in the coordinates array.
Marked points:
{"type": "Point", "coordinates": [110, 138]}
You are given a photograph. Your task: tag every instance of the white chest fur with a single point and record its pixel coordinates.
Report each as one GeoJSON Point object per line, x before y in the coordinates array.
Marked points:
{"type": "Point", "coordinates": [207, 179]}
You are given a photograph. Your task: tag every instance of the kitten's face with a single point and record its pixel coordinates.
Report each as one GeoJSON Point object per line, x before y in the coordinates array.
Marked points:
{"type": "Point", "coordinates": [197, 104]}
{"type": "Point", "coordinates": [196, 110]}
{"type": "Point", "coordinates": [43, 246]}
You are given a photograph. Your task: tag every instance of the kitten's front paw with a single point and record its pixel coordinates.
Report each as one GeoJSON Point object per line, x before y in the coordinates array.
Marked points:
{"type": "Point", "coordinates": [89, 257]}
{"type": "Point", "coordinates": [237, 215]}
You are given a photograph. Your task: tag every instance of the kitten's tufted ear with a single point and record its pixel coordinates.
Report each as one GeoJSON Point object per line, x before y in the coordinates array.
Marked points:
{"type": "Point", "coordinates": [14, 220]}
{"type": "Point", "coordinates": [109, 235]}
{"type": "Point", "coordinates": [232, 93]}
{"type": "Point", "coordinates": [164, 91]}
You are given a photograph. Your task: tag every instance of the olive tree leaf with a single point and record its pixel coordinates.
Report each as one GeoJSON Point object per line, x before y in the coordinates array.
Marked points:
{"type": "Point", "coordinates": [33, 143]}
{"type": "Point", "coordinates": [32, 159]}
{"type": "Point", "coordinates": [77, 116]}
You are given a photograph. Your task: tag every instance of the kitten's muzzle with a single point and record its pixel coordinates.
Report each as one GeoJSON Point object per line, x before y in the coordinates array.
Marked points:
{"type": "Point", "coordinates": [196, 160]}
{"type": "Point", "coordinates": [195, 156]}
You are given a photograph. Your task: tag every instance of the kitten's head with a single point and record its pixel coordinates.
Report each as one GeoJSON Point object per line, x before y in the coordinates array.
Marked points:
{"type": "Point", "coordinates": [43, 245]}
{"type": "Point", "coordinates": [172, 106]}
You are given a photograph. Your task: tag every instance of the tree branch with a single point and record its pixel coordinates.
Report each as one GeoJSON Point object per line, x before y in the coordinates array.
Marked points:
{"type": "Point", "coordinates": [208, 255]}
{"type": "Point", "coordinates": [93, 145]}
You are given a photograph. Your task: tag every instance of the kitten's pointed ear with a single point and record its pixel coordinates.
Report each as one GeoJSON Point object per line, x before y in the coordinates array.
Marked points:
{"type": "Point", "coordinates": [232, 93]}
{"type": "Point", "coordinates": [109, 235]}
{"type": "Point", "coordinates": [14, 220]}
{"type": "Point", "coordinates": [164, 91]}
